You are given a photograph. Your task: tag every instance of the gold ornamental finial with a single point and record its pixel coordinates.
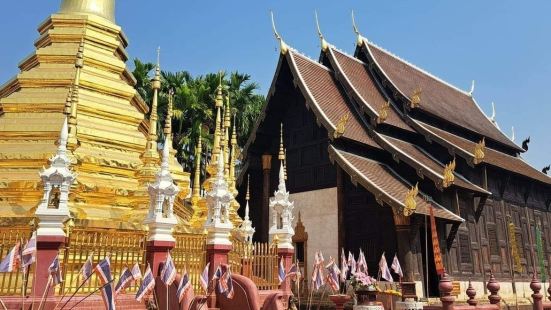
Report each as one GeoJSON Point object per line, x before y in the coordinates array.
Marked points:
{"type": "Point", "coordinates": [359, 38]}
{"type": "Point", "coordinates": [383, 112]}
{"type": "Point", "coordinates": [323, 43]}
{"type": "Point", "coordinates": [227, 114]}
{"type": "Point", "coordinates": [283, 48]}
{"type": "Point", "coordinates": [233, 157]}
{"type": "Point", "coordinates": [219, 101]}
{"type": "Point", "coordinates": [479, 150]}
{"type": "Point", "coordinates": [409, 202]}
{"type": "Point", "coordinates": [156, 81]}
{"type": "Point", "coordinates": [448, 176]}
{"type": "Point", "coordinates": [197, 177]}
{"type": "Point", "coordinates": [341, 125]}
{"type": "Point", "coordinates": [281, 155]}
{"type": "Point", "coordinates": [415, 99]}
{"type": "Point", "coordinates": [248, 195]}
{"type": "Point", "coordinates": [285, 165]}
{"type": "Point", "coordinates": [102, 8]}
{"type": "Point", "coordinates": [156, 86]}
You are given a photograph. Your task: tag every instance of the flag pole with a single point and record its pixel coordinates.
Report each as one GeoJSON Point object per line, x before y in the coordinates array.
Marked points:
{"type": "Point", "coordinates": [46, 290]}
{"type": "Point", "coordinates": [74, 293]}
{"type": "Point", "coordinates": [3, 305]}
{"type": "Point", "coordinates": [86, 297]}
{"type": "Point", "coordinates": [322, 295]}
{"type": "Point", "coordinates": [23, 286]}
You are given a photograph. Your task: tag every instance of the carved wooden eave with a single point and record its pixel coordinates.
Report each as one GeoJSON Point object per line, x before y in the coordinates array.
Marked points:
{"type": "Point", "coordinates": [382, 197]}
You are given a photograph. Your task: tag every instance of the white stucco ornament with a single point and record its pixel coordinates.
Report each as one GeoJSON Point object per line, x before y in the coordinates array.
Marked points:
{"type": "Point", "coordinates": [162, 193]}
{"type": "Point", "coordinates": [218, 224]}
{"type": "Point", "coordinates": [246, 229]}
{"type": "Point", "coordinates": [53, 209]}
{"type": "Point", "coordinates": [282, 214]}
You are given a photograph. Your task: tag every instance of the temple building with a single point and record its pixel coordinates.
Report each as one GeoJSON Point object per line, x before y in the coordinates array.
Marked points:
{"type": "Point", "coordinates": [372, 145]}
{"type": "Point", "coordinates": [78, 70]}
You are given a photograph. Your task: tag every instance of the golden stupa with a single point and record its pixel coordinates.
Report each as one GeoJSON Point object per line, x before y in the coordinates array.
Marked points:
{"type": "Point", "coordinates": [78, 70]}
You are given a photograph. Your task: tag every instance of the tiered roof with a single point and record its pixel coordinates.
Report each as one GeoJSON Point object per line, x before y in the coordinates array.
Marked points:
{"type": "Point", "coordinates": [374, 88]}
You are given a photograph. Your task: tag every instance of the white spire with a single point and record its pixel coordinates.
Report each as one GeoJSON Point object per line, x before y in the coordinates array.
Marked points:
{"type": "Point", "coordinates": [281, 187]}
{"type": "Point", "coordinates": [246, 229]}
{"type": "Point", "coordinates": [63, 137]}
{"type": "Point", "coordinates": [166, 154]}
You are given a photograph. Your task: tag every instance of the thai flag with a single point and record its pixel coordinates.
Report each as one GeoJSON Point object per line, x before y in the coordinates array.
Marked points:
{"type": "Point", "coordinates": [147, 285]}
{"type": "Point", "coordinates": [55, 271]}
{"type": "Point", "coordinates": [103, 270]}
{"type": "Point", "coordinates": [362, 264]}
{"type": "Point", "coordinates": [396, 266]}
{"type": "Point", "coordinates": [124, 280]}
{"type": "Point", "coordinates": [384, 270]}
{"type": "Point", "coordinates": [28, 255]}
{"type": "Point", "coordinates": [225, 285]}
{"type": "Point", "coordinates": [87, 269]}
{"type": "Point", "coordinates": [292, 272]}
{"type": "Point", "coordinates": [12, 260]}
{"type": "Point", "coordinates": [351, 263]}
{"type": "Point", "coordinates": [168, 274]}
{"type": "Point", "coordinates": [136, 272]}
{"type": "Point", "coordinates": [344, 266]}
{"type": "Point", "coordinates": [184, 286]}
{"type": "Point", "coordinates": [333, 274]}
{"type": "Point", "coordinates": [205, 278]}
{"type": "Point", "coordinates": [281, 271]}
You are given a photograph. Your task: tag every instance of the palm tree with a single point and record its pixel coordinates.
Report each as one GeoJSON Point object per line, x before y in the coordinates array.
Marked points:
{"type": "Point", "coordinates": [141, 73]}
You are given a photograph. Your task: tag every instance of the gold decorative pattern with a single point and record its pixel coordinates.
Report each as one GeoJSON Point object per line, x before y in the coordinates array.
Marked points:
{"type": "Point", "coordinates": [415, 98]}
{"type": "Point", "coordinates": [383, 112]}
{"type": "Point", "coordinates": [479, 150]}
{"type": "Point", "coordinates": [448, 176]}
{"type": "Point", "coordinates": [341, 125]}
{"type": "Point", "coordinates": [410, 205]}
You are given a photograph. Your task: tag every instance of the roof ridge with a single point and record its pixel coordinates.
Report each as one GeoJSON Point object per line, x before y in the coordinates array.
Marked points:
{"type": "Point", "coordinates": [433, 76]}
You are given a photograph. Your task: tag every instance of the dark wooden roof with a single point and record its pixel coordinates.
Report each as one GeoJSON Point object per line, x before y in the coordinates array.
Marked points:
{"type": "Point", "coordinates": [492, 157]}
{"type": "Point", "coordinates": [438, 98]}
{"type": "Point", "coordinates": [385, 184]}
{"type": "Point", "coordinates": [356, 74]}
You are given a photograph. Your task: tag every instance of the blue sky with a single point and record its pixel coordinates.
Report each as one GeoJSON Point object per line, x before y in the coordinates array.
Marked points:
{"type": "Point", "coordinates": [503, 45]}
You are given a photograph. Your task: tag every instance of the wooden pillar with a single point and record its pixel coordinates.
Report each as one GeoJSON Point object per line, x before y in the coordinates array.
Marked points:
{"type": "Point", "coordinates": [265, 214]}
{"type": "Point", "coordinates": [405, 256]}
{"type": "Point", "coordinates": [340, 209]}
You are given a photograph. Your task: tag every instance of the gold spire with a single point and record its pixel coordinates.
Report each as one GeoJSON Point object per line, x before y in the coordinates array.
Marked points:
{"type": "Point", "coordinates": [102, 8]}
{"type": "Point", "coordinates": [283, 48]}
{"type": "Point", "coordinates": [410, 205]}
{"type": "Point", "coordinates": [218, 103]}
{"type": "Point", "coordinates": [168, 120]}
{"type": "Point", "coordinates": [285, 165]}
{"type": "Point", "coordinates": [323, 43]}
{"type": "Point", "coordinates": [197, 177]}
{"type": "Point", "coordinates": [248, 194]}
{"type": "Point", "coordinates": [227, 124]}
{"type": "Point", "coordinates": [281, 155]}
{"type": "Point", "coordinates": [72, 141]}
{"type": "Point", "coordinates": [448, 176]}
{"type": "Point", "coordinates": [233, 157]}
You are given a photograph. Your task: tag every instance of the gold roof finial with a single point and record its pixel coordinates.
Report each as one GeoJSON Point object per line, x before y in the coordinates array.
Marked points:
{"type": "Point", "coordinates": [341, 125]}
{"type": "Point", "coordinates": [156, 82]}
{"type": "Point", "coordinates": [410, 205]}
{"type": "Point", "coordinates": [479, 150]}
{"type": "Point", "coordinates": [283, 48]}
{"type": "Point", "coordinates": [415, 98]}
{"type": "Point", "coordinates": [448, 176]}
{"type": "Point", "coordinates": [383, 112]}
{"type": "Point", "coordinates": [359, 38]}
{"type": "Point", "coordinates": [323, 43]}
{"type": "Point", "coordinates": [281, 155]}
{"type": "Point", "coordinates": [197, 176]}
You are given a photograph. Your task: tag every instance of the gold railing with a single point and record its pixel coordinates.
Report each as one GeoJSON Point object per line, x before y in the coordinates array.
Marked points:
{"type": "Point", "coordinates": [190, 252]}
{"type": "Point", "coordinates": [264, 261]}
{"type": "Point", "coordinates": [12, 283]}
{"type": "Point", "coordinates": [125, 247]}
{"type": "Point", "coordinates": [261, 262]}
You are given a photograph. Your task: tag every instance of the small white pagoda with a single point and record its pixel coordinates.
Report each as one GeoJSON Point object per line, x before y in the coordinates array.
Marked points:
{"type": "Point", "coordinates": [161, 219]}
{"type": "Point", "coordinates": [53, 210]}
{"type": "Point", "coordinates": [246, 229]}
